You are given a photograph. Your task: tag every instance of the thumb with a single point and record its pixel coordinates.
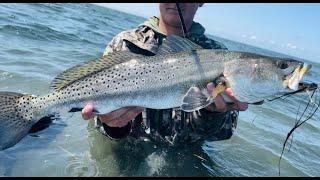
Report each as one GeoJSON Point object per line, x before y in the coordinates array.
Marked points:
{"type": "Point", "coordinates": [87, 111]}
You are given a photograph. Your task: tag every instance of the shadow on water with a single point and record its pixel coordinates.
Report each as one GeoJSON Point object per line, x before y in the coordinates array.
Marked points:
{"type": "Point", "coordinates": [129, 157]}
{"type": "Point", "coordinates": [40, 137]}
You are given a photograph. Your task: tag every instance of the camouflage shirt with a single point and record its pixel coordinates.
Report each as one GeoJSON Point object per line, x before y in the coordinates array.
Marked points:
{"type": "Point", "coordinates": [169, 126]}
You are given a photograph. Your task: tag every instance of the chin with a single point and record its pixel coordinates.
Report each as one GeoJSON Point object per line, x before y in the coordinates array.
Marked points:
{"type": "Point", "coordinates": [173, 21]}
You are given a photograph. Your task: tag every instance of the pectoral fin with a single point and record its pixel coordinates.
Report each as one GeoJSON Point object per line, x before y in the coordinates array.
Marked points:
{"type": "Point", "coordinates": [194, 100]}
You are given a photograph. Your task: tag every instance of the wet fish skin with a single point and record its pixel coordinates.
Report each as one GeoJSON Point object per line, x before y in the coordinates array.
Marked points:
{"type": "Point", "coordinates": [158, 82]}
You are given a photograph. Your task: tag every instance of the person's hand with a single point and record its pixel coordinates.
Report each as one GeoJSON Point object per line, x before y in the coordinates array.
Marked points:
{"type": "Point", "coordinates": [220, 105]}
{"type": "Point", "coordinates": [117, 118]}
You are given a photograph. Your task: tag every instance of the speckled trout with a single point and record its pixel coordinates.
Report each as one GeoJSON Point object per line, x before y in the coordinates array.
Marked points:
{"type": "Point", "coordinates": [175, 77]}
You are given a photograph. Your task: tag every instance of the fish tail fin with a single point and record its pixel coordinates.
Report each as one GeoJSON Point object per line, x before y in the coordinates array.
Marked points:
{"type": "Point", "coordinates": [16, 117]}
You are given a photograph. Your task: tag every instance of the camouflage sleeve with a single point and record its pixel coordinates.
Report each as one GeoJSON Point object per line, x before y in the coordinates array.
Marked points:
{"type": "Point", "coordinates": [117, 44]}
{"type": "Point", "coordinates": [216, 44]}
{"type": "Point", "coordinates": [141, 40]}
{"type": "Point", "coordinates": [207, 43]}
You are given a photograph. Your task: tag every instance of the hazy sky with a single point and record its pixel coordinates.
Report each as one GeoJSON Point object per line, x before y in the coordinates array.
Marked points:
{"type": "Point", "coordinates": [292, 29]}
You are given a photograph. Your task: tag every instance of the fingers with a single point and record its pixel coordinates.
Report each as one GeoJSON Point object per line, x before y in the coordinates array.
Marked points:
{"type": "Point", "coordinates": [240, 106]}
{"type": "Point", "coordinates": [117, 118]}
{"type": "Point", "coordinates": [237, 104]}
{"type": "Point", "coordinates": [116, 114]}
{"type": "Point", "coordinates": [210, 86]}
{"type": "Point", "coordinates": [123, 119]}
{"type": "Point", "coordinates": [230, 94]}
{"type": "Point", "coordinates": [219, 103]}
{"type": "Point", "coordinates": [87, 111]}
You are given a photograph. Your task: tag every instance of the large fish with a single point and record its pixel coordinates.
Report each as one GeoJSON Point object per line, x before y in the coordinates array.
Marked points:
{"type": "Point", "coordinates": [175, 77]}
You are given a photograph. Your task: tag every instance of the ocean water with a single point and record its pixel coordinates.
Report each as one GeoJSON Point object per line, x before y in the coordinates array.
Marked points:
{"type": "Point", "coordinates": [39, 41]}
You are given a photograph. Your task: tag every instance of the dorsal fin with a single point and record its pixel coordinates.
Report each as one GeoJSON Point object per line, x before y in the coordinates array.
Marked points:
{"type": "Point", "coordinates": [175, 44]}
{"type": "Point", "coordinates": [83, 70]}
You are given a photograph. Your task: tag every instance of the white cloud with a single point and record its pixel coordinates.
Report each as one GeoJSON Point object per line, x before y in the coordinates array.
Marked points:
{"type": "Point", "coordinates": [272, 42]}
{"type": "Point", "coordinates": [244, 36]}
{"type": "Point", "coordinates": [291, 46]}
{"type": "Point", "coordinates": [253, 37]}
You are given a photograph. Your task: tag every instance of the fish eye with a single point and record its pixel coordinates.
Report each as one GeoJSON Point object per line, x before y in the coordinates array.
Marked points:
{"type": "Point", "coordinates": [282, 64]}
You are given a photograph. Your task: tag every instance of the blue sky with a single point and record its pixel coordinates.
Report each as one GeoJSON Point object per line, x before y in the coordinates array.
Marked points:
{"type": "Point", "coordinates": [293, 28]}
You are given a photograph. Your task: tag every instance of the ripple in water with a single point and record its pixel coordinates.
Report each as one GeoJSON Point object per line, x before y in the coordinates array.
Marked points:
{"type": "Point", "coordinates": [80, 166]}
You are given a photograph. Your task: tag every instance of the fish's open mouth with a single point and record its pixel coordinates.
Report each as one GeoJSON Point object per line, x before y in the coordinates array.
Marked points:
{"type": "Point", "coordinates": [292, 80]}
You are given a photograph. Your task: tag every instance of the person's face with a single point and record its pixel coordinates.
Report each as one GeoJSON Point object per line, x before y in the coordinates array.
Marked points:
{"type": "Point", "coordinates": [170, 15]}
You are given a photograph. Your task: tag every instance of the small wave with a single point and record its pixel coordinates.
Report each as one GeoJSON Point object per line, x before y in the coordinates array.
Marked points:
{"type": "Point", "coordinates": [19, 52]}
{"type": "Point", "coordinates": [80, 19]}
{"type": "Point", "coordinates": [38, 32]}
{"type": "Point", "coordinates": [80, 167]}
{"type": "Point", "coordinates": [56, 8]}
